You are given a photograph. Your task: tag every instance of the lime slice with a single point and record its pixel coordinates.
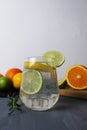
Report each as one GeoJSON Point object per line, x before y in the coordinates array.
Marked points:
{"type": "Point", "coordinates": [32, 81]}
{"type": "Point", "coordinates": [54, 58]}
{"type": "Point", "coordinates": [62, 83]}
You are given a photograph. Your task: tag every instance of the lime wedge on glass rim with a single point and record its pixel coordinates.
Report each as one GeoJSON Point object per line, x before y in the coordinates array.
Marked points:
{"type": "Point", "coordinates": [62, 83]}
{"type": "Point", "coordinates": [53, 58]}
{"type": "Point", "coordinates": [32, 81]}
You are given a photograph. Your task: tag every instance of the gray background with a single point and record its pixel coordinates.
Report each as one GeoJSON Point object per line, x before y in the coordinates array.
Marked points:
{"type": "Point", "coordinates": [32, 27]}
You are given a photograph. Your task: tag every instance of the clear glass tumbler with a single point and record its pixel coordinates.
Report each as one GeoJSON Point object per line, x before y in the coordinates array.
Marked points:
{"type": "Point", "coordinates": [39, 88]}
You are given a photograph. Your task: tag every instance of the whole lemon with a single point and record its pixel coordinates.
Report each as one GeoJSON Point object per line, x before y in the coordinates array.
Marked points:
{"type": "Point", "coordinates": [17, 80]}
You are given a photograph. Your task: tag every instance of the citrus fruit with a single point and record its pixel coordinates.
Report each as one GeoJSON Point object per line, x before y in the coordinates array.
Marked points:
{"type": "Point", "coordinates": [11, 72]}
{"type": "Point", "coordinates": [17, 80]}
{"type": "Point", "coordinates": [5, 83]}
{"type": "Point", "coordinates": [76, 77]}
{"type": "Point", "coordinates": [37, 65]}
{"type": "Point", "coordinates": [1, 75]}
{"type": "Point", "coordinates": [53, 58]}
{"type": "Point", "coordinates": [32, 81]}
{"type": "Point", "coordinates": [62, 83]}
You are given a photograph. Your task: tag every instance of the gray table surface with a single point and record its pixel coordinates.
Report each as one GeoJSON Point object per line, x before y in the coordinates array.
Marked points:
{"type": "Point", "coordinates": [68, 114]}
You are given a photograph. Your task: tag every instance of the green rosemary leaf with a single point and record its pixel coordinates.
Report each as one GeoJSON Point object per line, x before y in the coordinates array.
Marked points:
{"type": "Point", "coordinates": [13, 104]}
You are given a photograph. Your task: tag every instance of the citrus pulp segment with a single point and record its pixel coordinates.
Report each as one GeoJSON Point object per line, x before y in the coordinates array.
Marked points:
{"type": "Point", "coordinates": [54, 58]}
{"type": "Point", "coordinates": [32, 81]}
{"type": "Point", "coordinates": [76, 77]}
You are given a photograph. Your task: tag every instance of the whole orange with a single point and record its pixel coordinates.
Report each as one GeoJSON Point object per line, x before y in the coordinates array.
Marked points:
{"type": "Point", "coordinates": [17, 80]}
{"type": "Point", "coordinates": [11, 72]}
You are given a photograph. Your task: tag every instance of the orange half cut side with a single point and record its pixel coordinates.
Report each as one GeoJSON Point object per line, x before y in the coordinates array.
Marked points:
{"type": "Point", "coordinates": [76, 77]}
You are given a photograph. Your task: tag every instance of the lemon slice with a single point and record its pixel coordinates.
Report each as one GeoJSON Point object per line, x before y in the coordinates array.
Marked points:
{"type": "Point", "coordinates": [37, 65]}
{"type": "Point", "coordinates": [54, 58]}
{"type": "Point", "coordinates": [32, 81]}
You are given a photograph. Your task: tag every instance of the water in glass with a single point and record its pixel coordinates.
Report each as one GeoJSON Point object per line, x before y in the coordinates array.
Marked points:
{"type": "Point", "coordinates": [47, 96]}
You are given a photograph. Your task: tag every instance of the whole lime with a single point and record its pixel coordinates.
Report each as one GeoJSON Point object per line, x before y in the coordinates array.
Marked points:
{"type": "Point", "coordinates": [5, 83]}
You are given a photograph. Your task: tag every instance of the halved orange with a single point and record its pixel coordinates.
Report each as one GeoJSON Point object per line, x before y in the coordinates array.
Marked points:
{"type": "Point", "coordinates": [76, 77]}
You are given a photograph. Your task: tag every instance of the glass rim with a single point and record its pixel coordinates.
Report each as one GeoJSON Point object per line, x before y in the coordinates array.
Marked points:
{"type": "Point", "coordinates": [38, 58]}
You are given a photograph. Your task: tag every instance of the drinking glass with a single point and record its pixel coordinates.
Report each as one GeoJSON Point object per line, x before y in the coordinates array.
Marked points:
{"type": "Point", "coordinates": [39, 89]}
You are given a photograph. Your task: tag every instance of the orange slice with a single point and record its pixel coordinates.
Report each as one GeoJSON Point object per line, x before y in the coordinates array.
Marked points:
{"type": "Point", "coordinates": [76, 77]}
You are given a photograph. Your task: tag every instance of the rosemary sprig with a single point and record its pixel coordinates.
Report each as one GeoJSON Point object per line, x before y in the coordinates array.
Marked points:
{"type": "Point", "coordinates": [13, 104]}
